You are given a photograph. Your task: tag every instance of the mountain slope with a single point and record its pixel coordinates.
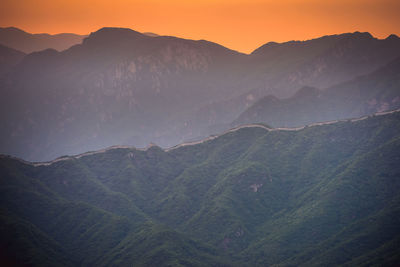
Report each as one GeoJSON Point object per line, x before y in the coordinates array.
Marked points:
{"type": "Point", "coordinates": [161, 89]}
{"type": "Point", "coordinates": [376, 92]}
{"type": "Point", "coordinates": [322, 62]}
{"type": "Point", "coordinates": [324, 194]}
{"type": "Point", "coordinates": [117, 78]}
{"type": "Point", "coordinates": [50, 223]}
{"type": "Point", "coordinates": [28, 43]}
{"type": "Point", "coordinates": [280, 69]}
{"type": "Point", "coordinates": [9, 58]}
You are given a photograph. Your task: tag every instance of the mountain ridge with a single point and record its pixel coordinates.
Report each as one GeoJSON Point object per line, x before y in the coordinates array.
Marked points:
{"type": "Point", "coordinates": [325, 195]}
{"type": "Point", "coordinates": [212, 137]}
{"type": "Point", "coordinates": [365, 94]}
{"type": "Point", "coordinates": [356, 34]}
{"type": "Point", "coordinates": [28, 42]}
{"type": "Point", "coordinates": [162, 89]}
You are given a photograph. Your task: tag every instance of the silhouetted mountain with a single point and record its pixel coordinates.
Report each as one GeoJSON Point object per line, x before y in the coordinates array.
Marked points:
{"type": "Point", "coordinates": [9, 58]}
{"type": "Point", "coordinates": [320, 196]}
{"type": "Point", "coordinates": [28, 43]}
{"type": "Point", "coordinates": [123, 87]}
{"type": "Point", "coordinates": [118, 87]}
{"type": "Point", "coordinates": [321, 62]}
{"type": "Point", "coordinates": [376, 92]}
{"type": "Point", "coordinates": [280, 69]}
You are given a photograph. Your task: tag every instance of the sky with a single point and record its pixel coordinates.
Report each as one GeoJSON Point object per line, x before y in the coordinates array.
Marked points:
{"type": "Point", "coordinates": [241, 25]}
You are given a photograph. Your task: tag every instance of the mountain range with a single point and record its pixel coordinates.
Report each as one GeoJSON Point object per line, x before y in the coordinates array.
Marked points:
{"type": "Point", "coordinates": [323, 195]}
{"type": "Point", "coordinates": [367, 94]}
{"type": "Point", "coordinates": [123, 87]}
{"type": "Point", "coordinates": [28, 42]}
{"type": "Point", "coordinates": [288, 156]}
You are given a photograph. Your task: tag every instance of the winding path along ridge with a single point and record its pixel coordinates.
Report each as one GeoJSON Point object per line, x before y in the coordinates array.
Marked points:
{"type": "Point", "coordinates": [200, 141]}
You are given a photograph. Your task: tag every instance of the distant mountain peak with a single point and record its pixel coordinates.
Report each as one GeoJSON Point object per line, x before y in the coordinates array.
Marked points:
{"type": "Point", "coordinates": [12, 29]}
{"type": "Point", "coordinates": [392, 37]}
{"type": "Point", "coordinates": [113, 31]}
{"type": "Point", "coordinates": [272, 44]}
{"type": "Point", "coordinates": [108, 35]}
{"type": "Point", "coordinates": [29, 42]}
{"type": "Point", "coordinates": [362, 34]}
{"type": "Point", "coordinates": [327, 38]}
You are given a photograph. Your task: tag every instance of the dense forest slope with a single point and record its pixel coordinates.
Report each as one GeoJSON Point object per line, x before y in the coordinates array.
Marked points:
{"type": "Point", "coordinates": [321, 195]}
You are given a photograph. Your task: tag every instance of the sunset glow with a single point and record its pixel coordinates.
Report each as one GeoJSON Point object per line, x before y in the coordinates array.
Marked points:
{"type": "Point", "coordinates": [237, 24]}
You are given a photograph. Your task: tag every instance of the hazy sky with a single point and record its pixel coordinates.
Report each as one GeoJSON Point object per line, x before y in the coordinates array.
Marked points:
{"type": "Point", "coordinates": [238, 24]}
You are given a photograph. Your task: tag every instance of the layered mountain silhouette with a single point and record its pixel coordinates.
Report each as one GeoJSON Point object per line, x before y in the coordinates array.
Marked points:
{"type": "Point", "coordinates": [314, 182]}
{"type": "Point", "coordinates": [322, 62]}
{"type": "Point", "coordinates": [28, 42]}
{"type": "Point", "coordinates": [320, 196]}
{"type": "Point", "coordinates": [376, 92]}
{"type": "Point", "coordinates": [118, 86]}
{"type": "Point", "coordinates": [123, 87]}
{"type": "Point", "coordinates": [280, 69]}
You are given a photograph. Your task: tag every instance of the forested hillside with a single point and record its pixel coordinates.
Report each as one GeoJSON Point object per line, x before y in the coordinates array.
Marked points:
{"type": "Point", "coordinates": [320, 196]}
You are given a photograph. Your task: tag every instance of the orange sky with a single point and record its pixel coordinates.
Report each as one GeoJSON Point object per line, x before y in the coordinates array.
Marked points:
{"type": "Point", "coordinates": [242, 25]}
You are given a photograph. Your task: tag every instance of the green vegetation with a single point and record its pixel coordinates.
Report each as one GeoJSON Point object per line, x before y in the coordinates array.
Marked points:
{"type": "Point", "coordinates": [322, 196]}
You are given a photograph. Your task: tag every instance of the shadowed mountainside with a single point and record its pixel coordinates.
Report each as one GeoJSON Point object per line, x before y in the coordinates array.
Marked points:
{"type": "Point", "coordinates": [322, 62]}
{"type": "Point", "coordinates": [121, 87]}
{"type": "Point", "coordinates": [376, 92]}
{"type": "Point", "coordinates": [116, 79]}
{"type": "Point", "coordinates": [280, 69]}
